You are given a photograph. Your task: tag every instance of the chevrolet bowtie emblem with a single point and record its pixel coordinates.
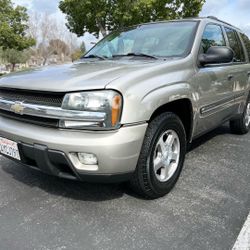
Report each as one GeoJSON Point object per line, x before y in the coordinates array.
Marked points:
{"type": "Point", "coordinates": [17, 108]}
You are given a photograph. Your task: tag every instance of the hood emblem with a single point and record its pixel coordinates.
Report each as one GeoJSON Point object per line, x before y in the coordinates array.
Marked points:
{"type": "Point", "coordinates": [17, 108]}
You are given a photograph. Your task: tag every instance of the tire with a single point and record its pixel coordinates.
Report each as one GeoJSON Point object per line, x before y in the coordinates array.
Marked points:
{"type": "Point", "coordinates": [241, 125]}
{"type": "Point", "coordinates": [148, 182]}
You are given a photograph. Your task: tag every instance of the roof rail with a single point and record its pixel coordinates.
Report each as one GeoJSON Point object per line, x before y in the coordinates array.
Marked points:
{"type": "Point", "coordinates": [217, 19]}
{"type": "Point", "coordinates": [213, 17]}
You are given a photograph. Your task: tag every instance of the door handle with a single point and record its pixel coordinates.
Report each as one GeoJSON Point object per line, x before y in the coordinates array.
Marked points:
{"type": "Point", "coordinates": [230, 77]}
{"type": "Point", "coordinates": [248, 73]}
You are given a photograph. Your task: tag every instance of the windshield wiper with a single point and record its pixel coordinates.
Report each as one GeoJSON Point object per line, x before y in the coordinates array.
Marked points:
{"type": "Point", "coordinates": [136, 54]}
{"type": "Point", "coordinates": [94, 56]}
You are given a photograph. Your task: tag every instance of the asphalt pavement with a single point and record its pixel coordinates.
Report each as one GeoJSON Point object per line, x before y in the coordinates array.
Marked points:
{"type": "Point", "coordinates": [206, 209]}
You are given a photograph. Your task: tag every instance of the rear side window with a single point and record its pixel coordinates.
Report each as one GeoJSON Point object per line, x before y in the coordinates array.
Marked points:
{"type": "Point", "coordinates": [247, 44]}
{"type": "Point", "coordinates": [212, 36]}
{"type": "Point", "coordinates": [235, 44]}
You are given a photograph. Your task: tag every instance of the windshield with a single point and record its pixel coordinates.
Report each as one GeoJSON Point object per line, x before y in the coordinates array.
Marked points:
{"type": "Point", "coordinates": [172, 39]}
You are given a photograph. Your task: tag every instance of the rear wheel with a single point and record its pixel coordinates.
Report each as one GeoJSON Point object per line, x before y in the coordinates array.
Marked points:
{"type": "Point", "coordinates": [161, 158]}
{"type": "Point", "coordinates": [242, 125]}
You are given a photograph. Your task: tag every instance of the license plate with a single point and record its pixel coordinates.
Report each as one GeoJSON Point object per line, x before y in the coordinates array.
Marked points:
{"type": "Point", "coordinates": [9, 148]}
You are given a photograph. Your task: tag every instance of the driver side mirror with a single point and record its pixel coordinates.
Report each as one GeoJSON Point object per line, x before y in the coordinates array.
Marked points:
{"type": "Point", "coordinates": [217, 55]}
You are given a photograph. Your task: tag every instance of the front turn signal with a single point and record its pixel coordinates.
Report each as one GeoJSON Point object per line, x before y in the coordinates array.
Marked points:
{"type": "Point", "coordinates": [116, 109]}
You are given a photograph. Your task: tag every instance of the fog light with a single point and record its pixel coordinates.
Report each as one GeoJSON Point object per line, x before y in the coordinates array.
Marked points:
{"type": "Point", "coordinates": [87, 159]}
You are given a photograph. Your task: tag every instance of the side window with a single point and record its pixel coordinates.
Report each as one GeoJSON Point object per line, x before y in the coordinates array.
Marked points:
{"type": "Point", "coordinates": [247, 44]}
{"type": "Point", "coordinates": [235, 44]}
{"type": "Point", "coordinates": [212, 36]}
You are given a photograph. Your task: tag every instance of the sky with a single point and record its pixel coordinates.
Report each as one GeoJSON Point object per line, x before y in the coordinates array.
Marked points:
{"type": "Point", "coordinates": [236, 12]}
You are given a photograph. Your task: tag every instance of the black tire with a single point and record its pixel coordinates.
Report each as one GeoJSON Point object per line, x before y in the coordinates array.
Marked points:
{"type": "Point", "coordinates": [144, 181]}
{"type": "Point", "coordinates": [238, 126]}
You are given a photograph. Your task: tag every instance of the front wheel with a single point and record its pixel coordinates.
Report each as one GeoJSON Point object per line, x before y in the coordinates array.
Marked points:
{"type": "Point", "coordinates": [161, 158]}
{"type": "Point", "coordinates": [242, 124]}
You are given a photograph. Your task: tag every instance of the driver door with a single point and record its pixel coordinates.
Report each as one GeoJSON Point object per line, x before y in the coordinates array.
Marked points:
{"type": "Point", "coordinates": [213, 84]}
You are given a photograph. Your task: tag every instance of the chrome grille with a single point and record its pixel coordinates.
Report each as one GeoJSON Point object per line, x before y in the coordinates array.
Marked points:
{"type": "Point", "coordinates": [33, 97]}
{"type": "Point", "coordinates": [41, 109]}
{"type": "Point", "coordinates": [45, 122]}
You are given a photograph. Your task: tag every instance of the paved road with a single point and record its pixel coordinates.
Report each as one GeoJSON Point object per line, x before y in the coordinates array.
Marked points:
{"type": "Point", "coordinates": [206, 210]}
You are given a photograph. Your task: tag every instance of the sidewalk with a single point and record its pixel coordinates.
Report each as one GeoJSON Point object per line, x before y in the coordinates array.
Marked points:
{"type": "Point", "coordinates": [243, 240]}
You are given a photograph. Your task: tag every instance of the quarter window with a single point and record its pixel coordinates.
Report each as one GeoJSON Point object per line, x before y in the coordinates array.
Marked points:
{"type": "Point", "coordinates": [212, 36]}
{"type": "Point", "coordinates": [235, 44]}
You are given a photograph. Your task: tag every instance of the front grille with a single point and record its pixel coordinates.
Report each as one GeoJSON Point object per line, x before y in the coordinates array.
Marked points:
{"type": "Point", "coordinates": [31, 119]}
{"type": "Point", "coordinates": [32, 97]}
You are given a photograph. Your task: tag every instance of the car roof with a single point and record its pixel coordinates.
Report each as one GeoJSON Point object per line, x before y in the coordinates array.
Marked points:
{"type": "Point", "coordinates": [207, 19]}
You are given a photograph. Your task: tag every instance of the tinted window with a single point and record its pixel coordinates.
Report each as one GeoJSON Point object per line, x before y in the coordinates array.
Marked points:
{"type": "Point", "coordinates": [247, 43]}
{"type": "Point", "coordinates": [212, 36]}
{"type": "Point", "coordinates": [235, 44]}
{"type": "Point", "coordinates": [162, 40]}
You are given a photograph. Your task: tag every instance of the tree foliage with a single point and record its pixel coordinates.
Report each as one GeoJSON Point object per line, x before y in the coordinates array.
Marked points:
{"type": "Point", "coordinates": [79, 52]}
{"type": "Point", "coordinates": [13, 24]}
{"type": "Point", "coordinates": [58, 47]}
{"type": "Point", "coordinates": [76, 55]}
{"type": "Point", "coordinates": [14, 56]}
{"type": "Point", "coordinates": [83, 47]}
{"type": "Point", "coordinates": [53, 39]}
{"type": "Point", "coordinates": [54, 47]}
{"type": "Point", "coordinates": [102, 15]}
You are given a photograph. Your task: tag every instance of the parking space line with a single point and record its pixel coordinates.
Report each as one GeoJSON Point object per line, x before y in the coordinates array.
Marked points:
{"type": "Point", "coordinates": [243, 240]}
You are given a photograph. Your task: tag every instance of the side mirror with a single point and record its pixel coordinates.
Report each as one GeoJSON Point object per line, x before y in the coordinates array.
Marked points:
{"type": "Point", "coordinates": [217, 55]}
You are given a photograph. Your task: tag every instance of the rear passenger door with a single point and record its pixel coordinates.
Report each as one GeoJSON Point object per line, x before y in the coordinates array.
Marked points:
{"type": "Point", "coordinates": [239, 69]}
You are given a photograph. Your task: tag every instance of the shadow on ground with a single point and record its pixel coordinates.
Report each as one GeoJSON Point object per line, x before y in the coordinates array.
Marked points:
{"type": "Point", "coordinates": [209, 136]}
{"type": "Point", "coordinates": [80, 190]}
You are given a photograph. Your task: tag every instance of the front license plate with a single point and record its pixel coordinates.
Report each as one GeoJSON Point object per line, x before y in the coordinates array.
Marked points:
{"type": "Point", "coordinates": [9, 148]}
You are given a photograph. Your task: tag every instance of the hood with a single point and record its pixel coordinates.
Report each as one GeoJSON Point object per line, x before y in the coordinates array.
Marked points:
{"type": "Point", "coordinates": [83, 75]}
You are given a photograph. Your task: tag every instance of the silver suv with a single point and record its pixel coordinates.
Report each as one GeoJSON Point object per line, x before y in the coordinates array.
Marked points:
{"type": "Point", "coordinates": [127, 110]}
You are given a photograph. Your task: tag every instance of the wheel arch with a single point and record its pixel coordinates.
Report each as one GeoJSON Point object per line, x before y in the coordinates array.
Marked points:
{"type": "Point", "coordinates": [183, 108]}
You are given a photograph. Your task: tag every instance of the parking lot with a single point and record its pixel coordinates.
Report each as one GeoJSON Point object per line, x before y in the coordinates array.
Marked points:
{"type": "Point", "coordinates": [206, 210]}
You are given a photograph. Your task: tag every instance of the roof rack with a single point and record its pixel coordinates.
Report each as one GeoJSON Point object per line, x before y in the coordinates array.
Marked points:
{"type": "Point", "coordinates": [217, 19]}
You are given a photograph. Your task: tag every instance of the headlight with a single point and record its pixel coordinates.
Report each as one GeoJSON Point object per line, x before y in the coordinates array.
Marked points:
{"type": "Point", "coordinates": [102, 109]}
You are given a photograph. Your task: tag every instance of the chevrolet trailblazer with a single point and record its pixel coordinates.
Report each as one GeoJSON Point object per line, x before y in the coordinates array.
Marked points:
{"type": "Point", "coordinates": [127, 110]}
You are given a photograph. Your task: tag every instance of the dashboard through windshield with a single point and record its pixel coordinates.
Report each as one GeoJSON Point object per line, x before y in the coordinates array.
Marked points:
{"type": "Point", "coordinates": [159, 40]}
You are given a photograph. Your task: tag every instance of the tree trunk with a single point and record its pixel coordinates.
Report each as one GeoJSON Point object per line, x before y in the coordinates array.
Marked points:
{"type": "Point", "coordinates": [44, 61]}
{"type": "Point", "coordinates": [104, 32]}
{"type": "Point", "coordinates": [102, 29]}
{"type": "Point", "coordinates": [13, 67]}
{"type": "Point", "coordinates": [62, 57]}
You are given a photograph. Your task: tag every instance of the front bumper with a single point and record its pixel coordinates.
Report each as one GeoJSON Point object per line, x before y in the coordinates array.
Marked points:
{"type": "Point", "coordinates": [50, 150]}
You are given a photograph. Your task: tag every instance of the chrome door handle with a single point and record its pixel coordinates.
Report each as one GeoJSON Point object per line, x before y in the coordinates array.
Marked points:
{"type": "Point", "coordinates": [230, 77]}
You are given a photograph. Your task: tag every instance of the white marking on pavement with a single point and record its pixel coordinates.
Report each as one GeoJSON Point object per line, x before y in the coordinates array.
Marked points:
{"type": "Point", "coordinates": [243, 240]}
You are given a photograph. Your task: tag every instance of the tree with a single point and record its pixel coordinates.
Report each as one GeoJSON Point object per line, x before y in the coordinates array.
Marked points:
{"type": "Point", "coordinates": [106, 15]}
{"type": "Point", "coordinates": [44, 52]}
{"type": "Point", "coordinates": [78, 52]}
{"type": "Point", "coordinates": [14, 56]}
{"type": "Point", "coordinates": [1, 55]}
{"type": "Point", "coordinates": [13, 24]}
{"type": "Point", "coordinates": [83, 47]}
{"type": "Point", "coordinates": [76, 55]}
{"type": "Point", "coordinates": [51, 36]}
{"type": "Point", "coordinates": [60, 48]}
{"type": "Point", "coordinates": [42, 28]}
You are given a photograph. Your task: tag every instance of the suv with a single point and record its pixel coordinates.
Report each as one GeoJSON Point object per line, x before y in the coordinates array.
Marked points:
{"type": "Point", "coordinates": [128, 109]}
